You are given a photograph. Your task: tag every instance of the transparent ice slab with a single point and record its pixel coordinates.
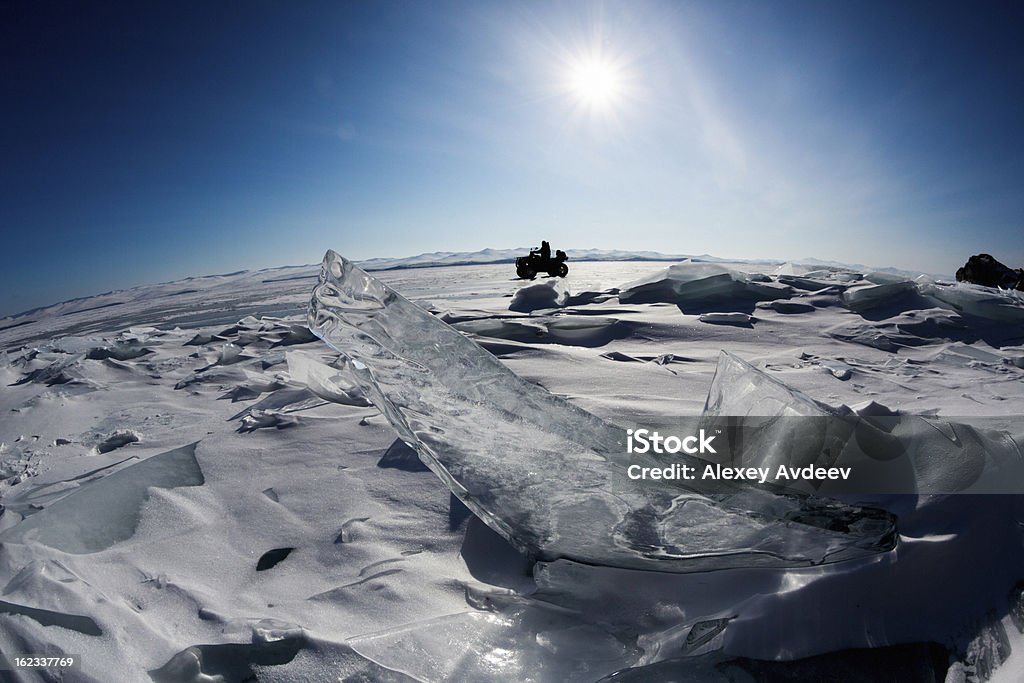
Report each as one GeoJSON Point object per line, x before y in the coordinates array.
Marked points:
{"type": "Point", "coordinates": [521, 643]}
{"type": "Point", "coordinates": [107, 511]}
{"type": "Point", "coordinates": [548, 476]}
{"type": "Point", "coordinates": [765, 423]}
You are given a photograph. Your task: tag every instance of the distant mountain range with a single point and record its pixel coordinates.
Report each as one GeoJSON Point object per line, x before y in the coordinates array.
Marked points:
{"type": "Point", "coordinates": [465, 258]}
{"type": "Point", "coordinates": [485, 256]}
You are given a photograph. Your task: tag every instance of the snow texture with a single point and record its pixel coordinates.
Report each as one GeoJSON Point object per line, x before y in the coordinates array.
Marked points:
{"type": "Point", "coordinates": [390, 577]}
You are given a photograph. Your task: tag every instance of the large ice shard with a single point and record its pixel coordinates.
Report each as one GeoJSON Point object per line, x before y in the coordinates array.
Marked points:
{"type": "Point", "coordinates": [549, 476]}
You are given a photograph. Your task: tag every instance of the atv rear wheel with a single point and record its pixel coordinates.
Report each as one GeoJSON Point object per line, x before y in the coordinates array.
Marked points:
{"type": "Point", "coordinates": [561, 270]}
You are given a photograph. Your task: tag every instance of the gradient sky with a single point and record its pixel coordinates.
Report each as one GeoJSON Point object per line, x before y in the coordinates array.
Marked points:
{"type": "Point", "coordinates": [149, 141]}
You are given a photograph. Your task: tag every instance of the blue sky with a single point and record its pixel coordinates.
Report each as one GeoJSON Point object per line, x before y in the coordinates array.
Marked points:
{"type": "Point", "coordinates": [143, 142]}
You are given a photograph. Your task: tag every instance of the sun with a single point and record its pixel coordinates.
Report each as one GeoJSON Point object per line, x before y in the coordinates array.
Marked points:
{"type": "Point", "coordinates": [596, 82]}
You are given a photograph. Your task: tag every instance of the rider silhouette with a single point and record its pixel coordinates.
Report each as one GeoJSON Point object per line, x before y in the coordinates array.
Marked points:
{"type": "Point", "coordinates": [540, 261]}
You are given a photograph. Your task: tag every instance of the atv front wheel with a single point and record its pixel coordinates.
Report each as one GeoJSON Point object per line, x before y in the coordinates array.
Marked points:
{"type": "Point", "coordinates": [526, 272]}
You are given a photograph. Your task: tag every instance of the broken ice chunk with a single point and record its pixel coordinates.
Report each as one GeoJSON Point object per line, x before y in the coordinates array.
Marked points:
{"type": "Point", "coordinates": [700, 283]}
{"type": "Point", "coordinates": [983, 302]}
{"type": "Point", "coordinates": [838, 369]}
{"type": "Point", "coordinates": [868, 296]}
{"type": "Point", "coordinates": [106, 511]}
{"type": "Point", "coordinates": [738, 389]}
{"type": "Point", "coordinates": [326, 382]}
{"type": "Point", "coordinates": [546, 475]}
{"type": "Point", "coordinates": [229, 353]}
{"type": "Point", "coordinates": [727, 318]}
{"type": "Point", "coordinates": [882, 278]}
{"type": "Point", "coordinates": [871, 334]}
{"type": "Point", "coordinates": [765, 423]}
{"type": "Point", "coordinates": [550, 294]}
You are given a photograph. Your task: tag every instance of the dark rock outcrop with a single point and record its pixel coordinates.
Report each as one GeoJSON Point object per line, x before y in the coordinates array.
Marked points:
{"type": "Point", "coordinates": [982, 269]}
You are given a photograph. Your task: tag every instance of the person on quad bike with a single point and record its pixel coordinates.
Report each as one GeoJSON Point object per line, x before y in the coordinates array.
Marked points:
{"type": "Point", "coordinates": [540, 261]}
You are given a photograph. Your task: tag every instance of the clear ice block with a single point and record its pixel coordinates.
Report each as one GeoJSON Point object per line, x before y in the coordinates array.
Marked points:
{"type": "Point", "coordinates": [549, 476]}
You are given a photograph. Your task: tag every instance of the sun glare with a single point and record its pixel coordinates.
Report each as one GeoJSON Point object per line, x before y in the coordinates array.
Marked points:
{"type": "Point", "coordinates": [595, 82]}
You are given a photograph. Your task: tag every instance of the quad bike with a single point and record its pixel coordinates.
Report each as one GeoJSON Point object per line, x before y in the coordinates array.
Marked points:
{"type": "Point", "coordinates": [528, 266]}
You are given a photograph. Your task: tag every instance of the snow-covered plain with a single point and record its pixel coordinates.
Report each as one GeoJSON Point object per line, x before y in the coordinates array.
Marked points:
{"type": "Point", "coordinates": [189, 493]}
